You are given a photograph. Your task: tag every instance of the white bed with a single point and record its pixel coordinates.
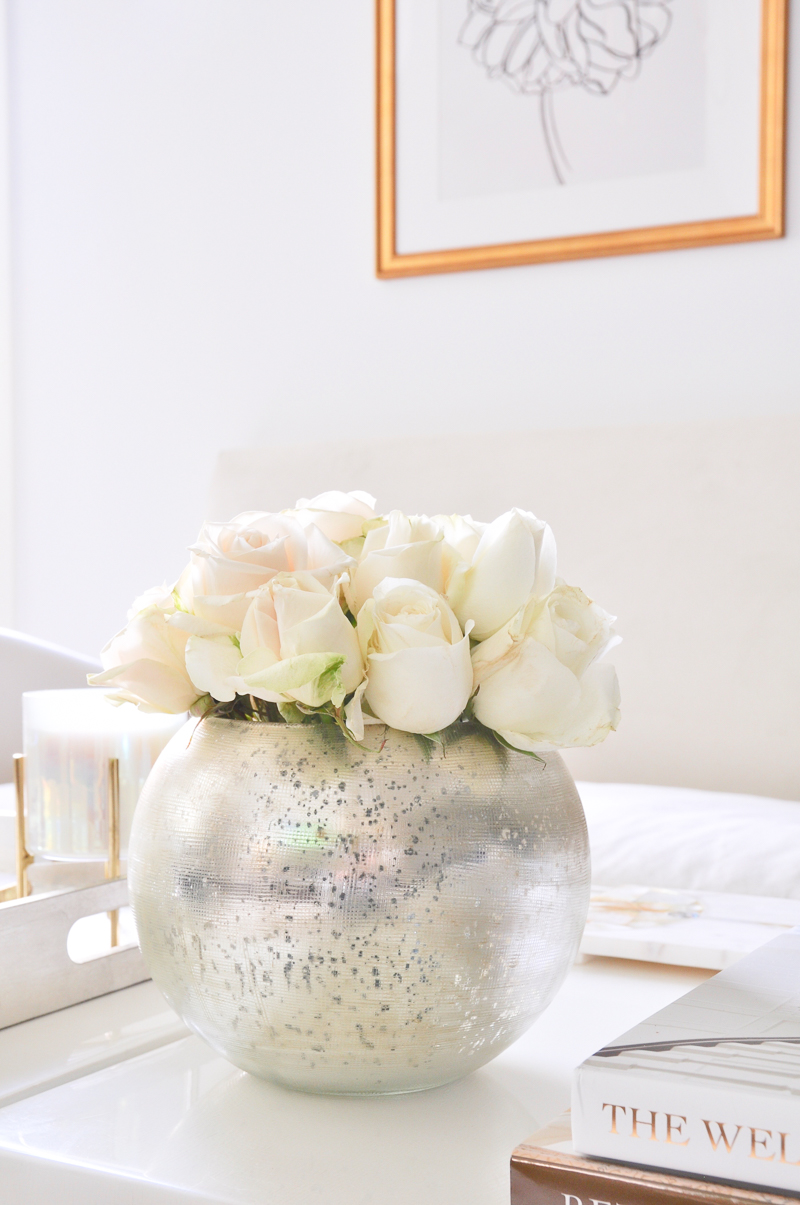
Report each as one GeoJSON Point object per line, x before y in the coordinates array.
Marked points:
{"type": "Point", "coordinates": [688, 877]}
{"type": "Point", "coordinates": [690, 839]}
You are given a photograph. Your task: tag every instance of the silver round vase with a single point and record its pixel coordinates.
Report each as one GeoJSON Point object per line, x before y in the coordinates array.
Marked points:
{"type": "Point", "coordinates": [356, 920]}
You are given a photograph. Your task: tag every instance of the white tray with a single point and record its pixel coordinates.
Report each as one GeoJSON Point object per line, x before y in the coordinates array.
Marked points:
{"type": "Point", "coordinates": [683, 928]}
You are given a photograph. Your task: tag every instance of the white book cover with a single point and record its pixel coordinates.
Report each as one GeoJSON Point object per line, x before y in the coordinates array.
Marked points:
{"type": "Point", "coordinates": [709, 1085]}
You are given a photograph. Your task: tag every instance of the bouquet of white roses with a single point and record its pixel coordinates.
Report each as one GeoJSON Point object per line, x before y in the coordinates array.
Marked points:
{"type": "Point", "coordinates": [333, 611]}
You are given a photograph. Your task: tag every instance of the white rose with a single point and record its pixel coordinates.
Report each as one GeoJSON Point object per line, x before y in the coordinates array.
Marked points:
{"type": "Point", "coordinates": [162, 597]}
{"type": "Point", "coordinates": [419, 675]}
{"type": "Point", "coordinates": [462, 533]}
{"type": "Point", "coordinates": [338, 516]}
{"type": "Point", "coordinates": [146, 662]}
{"type": "Point", "coordinates": [540, 686]}
{"type": "Point", "coordinates": [296, 644]}
{"type": "Point", "coordinates": [299, 620]}
{"type": "Point", "coordinates": [230, 560]}
{"type": "Point", "coordinates": [402, 547]}
{"type": "Point", "coordinates": [514, 558]}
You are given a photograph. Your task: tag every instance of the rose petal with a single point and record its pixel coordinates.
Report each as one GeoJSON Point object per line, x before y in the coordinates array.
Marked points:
{"type": "Point", "coordinates": [158, 686]}
{"type": "Point", "coordinates": [421, 562]}
{"type": "Point", "coordinates": [290, 676]}
{"type": "Point", "coordinates": [211, 662]}
{"type": "Point", "coordinates": [515, 558]}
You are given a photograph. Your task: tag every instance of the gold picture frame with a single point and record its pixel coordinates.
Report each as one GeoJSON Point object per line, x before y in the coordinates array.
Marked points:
{"type": "Point", "coordinates": [768, 223]}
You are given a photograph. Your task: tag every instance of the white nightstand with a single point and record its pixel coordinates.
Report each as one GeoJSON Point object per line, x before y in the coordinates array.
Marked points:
{"type": "Point", "coordinates": [119, 1105]}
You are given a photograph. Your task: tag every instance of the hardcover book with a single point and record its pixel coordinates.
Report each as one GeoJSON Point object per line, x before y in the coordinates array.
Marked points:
{"type": "Point", "coordinates": [546, 1170]}
{"type": "Point", "coordinates": [709, 1085]}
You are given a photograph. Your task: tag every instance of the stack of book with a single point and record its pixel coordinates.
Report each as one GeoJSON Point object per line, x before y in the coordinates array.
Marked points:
{"type": "Point", "coordinates": [698, 1104]}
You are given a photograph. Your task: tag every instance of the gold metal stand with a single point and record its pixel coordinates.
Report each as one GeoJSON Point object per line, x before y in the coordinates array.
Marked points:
{"type": "Point", "coordinates": [23, 858]}
{"type": "Point", "coordinates": [112, 865]}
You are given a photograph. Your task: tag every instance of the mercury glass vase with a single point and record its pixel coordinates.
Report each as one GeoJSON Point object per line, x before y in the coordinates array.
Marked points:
{"type": "Point", "coordinates": [357, 920]}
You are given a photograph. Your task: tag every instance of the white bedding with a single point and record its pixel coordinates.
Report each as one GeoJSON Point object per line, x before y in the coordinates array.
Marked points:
{"type": "Point", "coordinates": [706, 840]}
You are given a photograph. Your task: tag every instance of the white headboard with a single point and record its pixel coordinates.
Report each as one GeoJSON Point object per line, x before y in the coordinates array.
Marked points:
{"type": "Point", "coordinates": [689, 534]}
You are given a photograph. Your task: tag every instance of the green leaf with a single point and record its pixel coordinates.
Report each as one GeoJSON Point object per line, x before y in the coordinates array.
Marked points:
{"type": "Point", "coordinates": [424, 743]}
{"type": "Point", "coordinates": [329, 683]}
{"type": "Point", "coordinates": [525, 752]}
{"type": "Point", "coordinates": [330, 715]}
{"type": "Point", "coordinates": [450, 735]}
{"type": "Point", "coordinates": [291, 713]}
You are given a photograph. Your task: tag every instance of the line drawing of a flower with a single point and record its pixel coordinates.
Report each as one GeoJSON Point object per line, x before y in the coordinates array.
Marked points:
{"type": "Point", "coordinates": [540, 47]}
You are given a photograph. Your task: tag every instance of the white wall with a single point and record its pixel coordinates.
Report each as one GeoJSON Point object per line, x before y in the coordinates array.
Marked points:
{"type": "Point", "coordinates": [7, 475]}
{"type": "Point", "coordinates": [193, 202]}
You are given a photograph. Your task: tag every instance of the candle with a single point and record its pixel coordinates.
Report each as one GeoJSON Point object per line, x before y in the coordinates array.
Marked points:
{"type": "Point", "coordinates": [68, 737]}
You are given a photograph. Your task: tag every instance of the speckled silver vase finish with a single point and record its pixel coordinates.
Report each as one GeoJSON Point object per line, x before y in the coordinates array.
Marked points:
{"type": "Point", "coordinates": [350, 920]}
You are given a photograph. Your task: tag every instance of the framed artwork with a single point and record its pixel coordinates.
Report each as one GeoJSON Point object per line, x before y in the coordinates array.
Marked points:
{"type": "Point", "coordinates": [526, 131]}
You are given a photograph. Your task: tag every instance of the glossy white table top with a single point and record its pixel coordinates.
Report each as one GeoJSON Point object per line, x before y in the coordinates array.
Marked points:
{"type": "Point", "coordinates": [178, 1123]}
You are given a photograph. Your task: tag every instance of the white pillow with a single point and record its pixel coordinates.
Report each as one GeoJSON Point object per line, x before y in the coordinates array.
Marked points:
{"type": "Point", "coordinates": [704, 840]}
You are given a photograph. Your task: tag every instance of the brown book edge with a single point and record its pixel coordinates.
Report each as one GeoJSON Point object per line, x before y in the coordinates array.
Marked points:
{"type": "Point", "coordinates": [542, 1175]}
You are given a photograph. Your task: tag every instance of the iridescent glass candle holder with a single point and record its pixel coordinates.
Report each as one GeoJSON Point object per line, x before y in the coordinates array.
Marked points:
{"type": "Point", "coordinates": [68, 738]}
